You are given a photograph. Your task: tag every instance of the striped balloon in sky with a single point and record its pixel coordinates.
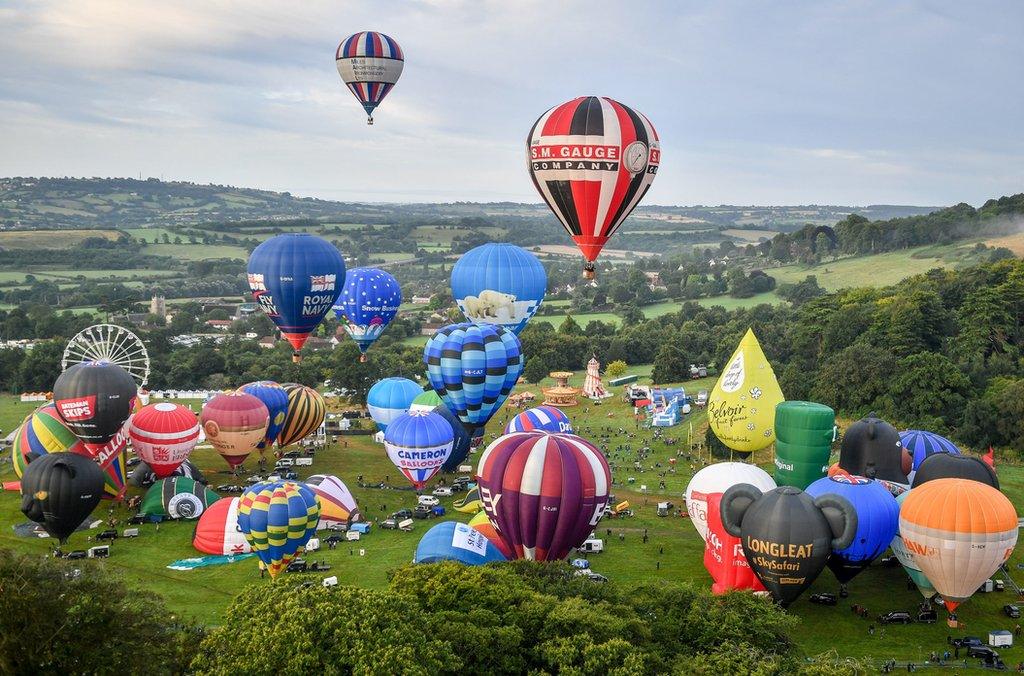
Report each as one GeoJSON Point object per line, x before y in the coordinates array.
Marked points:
{"type": "Point", "coordinates": [277, 520]}
{"type": "Point", "coordinates": [473, 368]}
{"type": "Point", "coordinates": [368, 302]}
{"type": "Point", "coordinates": [419, 442]}
{"type": "Point", "coordinates": [544, 493]}
{"type": "Point", "coordinates": [542, 419]}
{"type": "Point", "coordinates": [306, 412]}
{"type": "Point", "coordinates": [370, 64]}
{"type": "Point", "coordinates": [592, 159]}
{"type": "Point", "coordinates": [921, 444]}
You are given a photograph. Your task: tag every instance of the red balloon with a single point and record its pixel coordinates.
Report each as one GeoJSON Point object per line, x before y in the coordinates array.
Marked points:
{"type": "Point", "coordinates": [163, 435]}
{"type": "Point", "coordinates": [723, 554]}
{"type": "Point", "coordinates": [544, 493]}
{"type": "Point", "coordinates": [234, 424]}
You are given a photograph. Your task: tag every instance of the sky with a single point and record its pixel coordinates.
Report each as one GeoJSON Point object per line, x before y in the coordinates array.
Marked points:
{"type": "Point", "coordinates": [824, 102]}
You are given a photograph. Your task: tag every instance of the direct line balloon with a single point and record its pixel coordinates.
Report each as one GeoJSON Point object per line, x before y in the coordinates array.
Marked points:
{"type": "Point", "coordinates": [543, 493]}
{"type": "Point", "coordinates": [369, 300]}
{"type": "Point", "coordinates": [163, 435]}
{"type": "Point", "coordinates": [275, 398]}
{"type": "Point", "coordinates": [462, 442]}
{"type": "Point", "coordinates": [499, 284]}
{"type": "Point", "coordinates": [277, 520]}
{"type": "Point", "coordinates": [418, 443]}
{"type": "Point", "coordinates": [592, 159]}
{"type": "Point", "coordinates": [59, 491]}
{"type": "Point", "coordinates": [295, 279]}
{"type": "Point", "coordinates": [787, 535]}
{"type": "Point", "coordinates": [370, 64]}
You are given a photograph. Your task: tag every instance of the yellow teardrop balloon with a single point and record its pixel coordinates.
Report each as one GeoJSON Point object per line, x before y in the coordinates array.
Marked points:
{"type": "Point", "coordinates": [741, 408]}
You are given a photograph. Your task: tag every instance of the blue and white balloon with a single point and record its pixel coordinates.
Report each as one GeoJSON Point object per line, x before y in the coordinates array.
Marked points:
{"type": "Point", "coordinates": [368, 302]}
{"type": "Point", "coordinates": [499, 284]}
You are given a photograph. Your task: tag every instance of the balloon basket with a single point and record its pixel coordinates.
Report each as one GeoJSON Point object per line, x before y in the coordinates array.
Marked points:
{"type": "Point", "coordinates": [588, 271]}
{"type": "Point", "coordinates": [362, 359]}
{"type": "Point", "coordinates": [369, 121]}
{"type": "Point", "coordinates": [296, 357]}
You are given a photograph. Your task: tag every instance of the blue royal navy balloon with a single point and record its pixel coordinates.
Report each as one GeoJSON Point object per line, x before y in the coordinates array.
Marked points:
{"type": "Point", "coordinates": [499, 284]}
{"type": "Point", "coordinates": [390, 398]}
{"type": "Point", "coordinates": [296, 279]}
{"type": "Point", "coordinates": [473, 368]}
{"type": "Point", "coordinates": [368, 302]}
{"type": "Point", "coordinates": [463, 441]}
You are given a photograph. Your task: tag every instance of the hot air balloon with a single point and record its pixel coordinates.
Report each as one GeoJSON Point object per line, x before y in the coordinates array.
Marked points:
{"type": "Point", "coordinates": [921, 444]}
{"type": "Point", "coordinates": [295, 279]}
{"type": "Point", "coordinates": [960, 532]}
{"type": "Point", "coordinates": [723, 554]}
{"type": "Point", "coordinates": [499, 284]}
{"type": "Point", "coordinates": [335, 499]}
{"type": "Point", "coordinates": [877, 522]}
{"type": "Point", "coordinates": [787, 535]}
{"type": "Point", "coordinates": [217, 531]}
{"type": "Point", "coordinates": [390, 398]}
{"type": "Point", "coordinates": [950, 466]}
{"type": "Point", "coordinates": [143, 477]}
{"type": "Point", "coordinates": [427, 401]}
{"type": "Point", "coordinates": [419, 442]}
{"type": "Point", "coordinates": [592, 160]}
{"type": "Point", "coordinates": [542, 419]}
{"type": "Point", "coordinates": [453, 541]}
{"type": "Point", "coordinates": [871, 448]}
{"type": "Point", "coordinates": [461, 444]}
{"type": "Point", "coordinates": [741, 407]}
{"type": "Point", "coordinates": [717, 478]}
{"type": "Point", "coordinates": [277, 520]}
{"type": "Point", "coordinates": [275, 398]}
{"type": "Point", "coordinates": [94, 399]}
{"type": "Point", "coordinates": [484, 525]}
{"type": "Point", "coordinates": [368, 302]}
{"type": "Point", "coordinates": [234, 423]}
{"type": "Point", "coordinates": [306, 412]}
{"type": "Point", "coordinates": [177, 498]}
{"type": "Point", "coordinates": [804, 432]}
{"type": "Point", "coordinates": [473, 367]}
{"type": "Point", "coordinates": [907, 560]}
{"type": "Point", "coordinates": [163, 435]}
{"type": "Point", "coordinates": [59, 491]}
{"type": "Point", "coordinates": [370, 64]}
{"type": "Point", "coordinates": [544, 493]}
{"type": "Point", "coordinates": [44, 432]}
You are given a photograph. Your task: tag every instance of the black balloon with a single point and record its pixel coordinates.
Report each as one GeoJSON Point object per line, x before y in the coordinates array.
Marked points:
{"type": "Point", "coordinates": [786, 534]}
{"type": "Point", "coordinates": [871, 448]}
{"type": "Point", "coordinates": [463, 439]}
{"type": "Point", "coordinates": [949, 466]}
{"type": "Point", "coordinates": [143, 476]}
{"type": "Point", "coordinates": [94, 399]}
{"type": "Point", "coordinates": [59, 491]}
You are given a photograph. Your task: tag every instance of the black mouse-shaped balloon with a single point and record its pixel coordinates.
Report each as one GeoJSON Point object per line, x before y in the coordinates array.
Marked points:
{"type": "Point", "coordinates": [871, 448]}
{"type": "Point", "coordinates": [949, 466]}
{"type": "Point", "coordinates": [59, 490]}
{"type": "Point", "coordinates": [786, 534]}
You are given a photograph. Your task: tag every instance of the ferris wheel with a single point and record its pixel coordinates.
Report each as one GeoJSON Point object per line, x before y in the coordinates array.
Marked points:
{"type": "Point", "coordinates": [111, 343]}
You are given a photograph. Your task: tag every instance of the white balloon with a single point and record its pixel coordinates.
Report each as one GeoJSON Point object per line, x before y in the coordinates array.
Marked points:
{"type": "Point", "coordinates": [718, 478]}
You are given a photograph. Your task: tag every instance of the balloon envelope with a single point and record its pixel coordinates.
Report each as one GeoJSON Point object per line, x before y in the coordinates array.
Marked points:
{"type": "Point", "coordinates": [368, 302]}
{"type": "Point", "coordinates": [369, 64]}
{"type": "Point", "coordinates": [960, 532]}
{"type": "Point", "coordinates": [275, 398]}
{"type": "Point", "coordinates": [453, 541]}
{"type": "Point", "coordinates": [306, 412]}
{"type": "Point", "coordinates": [906, 558]}
{"type": "Point", "coordinates": [473, 368]}
{"type": "Point", "coordinates": [94, 399]}
{"type": "Point", "coordinates": [335, 499]}
{"type": "Point", "coordinates": [163, 435]}
{"type": "Point", "coordinates": [741, 406]}
{"type": "Point", "coordinates": [177, 498]}
{"type": "Point", "coordinates": [296, 279]}
{"type": "Point", "coordinates": [217, 531]}
{"type": "Point", "coordinates": [59, 491]}
{"type": "Point", "coordinates": [871, 447]}
{"type": "Point", "coordinates": [951, 466]}
{"type": "Point", "coordinates": [390, 398]}
{"type": "Point", "coordinates": [723, 554]}
{"type": "Point", "coordinates": [921, 445]}
{"type": "Point", "coordinates": [484, 525]}
{"type": "Point", "coordinates": [499, 284]}
{"type": "Point", "coordinates": [592, 159]}
{"type": "Point", "coordinates": [544, 493]}
{"type": "Point", "coordinates": [234, 423]}
{"type": "Point", "coordinates": [277, 520]}
{"type": "Point", "coordinates": [718, 478]}
{"type": "Point", "coordinates": [419, 442]}
{"type": "Point", "coordinates": [541, 419]}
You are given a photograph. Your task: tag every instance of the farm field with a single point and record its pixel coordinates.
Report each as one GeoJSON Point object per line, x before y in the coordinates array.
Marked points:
{"type": "Point", "coordinates": [196, 252]}
{"type": "Point", "coordinates": [878, 270]}
{"type": "Point", "coordinates": [672, 542]}
{"type": "Point", "coordinates": [50, 239]}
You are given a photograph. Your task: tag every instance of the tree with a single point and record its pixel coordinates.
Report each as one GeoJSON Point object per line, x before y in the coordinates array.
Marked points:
{"type": "Point", "coordinates": [616, 369]}
{"type": "Point", "coordinates": [535, 370]}
{"type": "Point", "coordinates": [569, 327]}
{"type": "Point", "coordinates": [72, 608]}
{"type": "Point", "coordinates": [670, 366]}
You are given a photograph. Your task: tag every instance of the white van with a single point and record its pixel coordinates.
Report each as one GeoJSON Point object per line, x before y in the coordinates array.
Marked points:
{"type": "Point", "coordinates": [592, 546]}
{"type": "Point", "coordinates": [312, 545]}
{"type": "Point", "coordinates": [442, 491]}
{"type": "Point", "coordinates": [428, 501]}
{"type": "Point", "coordinates": [284, 462]}
{"type": "Point", "coordinates": [405, 524]}
{"type": "Point", "coordinates": [303, 462]}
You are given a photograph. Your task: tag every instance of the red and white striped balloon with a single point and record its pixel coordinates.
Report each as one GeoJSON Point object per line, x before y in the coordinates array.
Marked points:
{"type": "Point", "coordinates": [544, 493]}
{"type": "Point", "coordinates": [163, 435]}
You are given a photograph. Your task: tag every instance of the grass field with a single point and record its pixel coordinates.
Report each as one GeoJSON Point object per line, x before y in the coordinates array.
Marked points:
{"type": "Point", "coordinates": [196, 252]}
{"type": "Point", "coordinates": [879, 270]}
{"type": "Point", "coordinates": [50, 239]}
{"type": "Point", "coordinates": [204, 593]}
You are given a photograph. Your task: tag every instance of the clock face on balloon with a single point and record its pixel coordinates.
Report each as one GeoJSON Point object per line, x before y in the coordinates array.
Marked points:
{"type": "Point", "coordinates": [634, 159]}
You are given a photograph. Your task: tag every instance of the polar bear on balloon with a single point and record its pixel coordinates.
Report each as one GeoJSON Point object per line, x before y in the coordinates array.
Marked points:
{"type": "Point", "coordinates": [490, 305]}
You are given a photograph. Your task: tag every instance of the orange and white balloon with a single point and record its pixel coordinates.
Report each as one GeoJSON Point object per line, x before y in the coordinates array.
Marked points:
{"type": "Point", "coordinates": [163, 435]}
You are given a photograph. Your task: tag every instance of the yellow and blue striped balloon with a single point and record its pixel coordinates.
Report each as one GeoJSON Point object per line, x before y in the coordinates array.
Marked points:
{"type": "Point", "coordinates": [277, 520]}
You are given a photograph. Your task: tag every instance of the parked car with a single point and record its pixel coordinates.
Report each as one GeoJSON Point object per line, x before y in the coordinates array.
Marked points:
{"type": "Point", "coordinates": [422, 512]}
{"type": "Point", "coordinates": [334, 539]}
{"type": "Point", "coordinates": [289, 476]}
{"type": "Point", "coordinates": [389, 524]}
{"type": "Point", "coordinates": [442, 491]}
{"type": "Point", "coordinates": [1011, 610]}
{"type": "Point", "coordinates": [824, 599]}
{"type": "Point", "coordinates": [427, 501]}
{"type": "Point", "coordinates": [297, 566]}
{"type": "Point", "coordinates": [133, 461]}
{"type": "Point", "coordinates": [982, 651]}
{"type": "Point", "coordinates": [927, 616]}
{"type": "Point", "coordinates": [702, 398]}
{"type": "Point", "coordinates": [895, 617]}
{"type": "Point", "coordinates": [402, 514]}
{"type": "Point", "coordinates": [291, 454]}
{"type": "Point", "coordinates": [107, 535]}
{"type": "Point", "coordinates": [966, 641]}
{"type": "Point", "coordinates": [284, 463]}
{"type": "Point", "coordinates": [337, 526]}
{"type": "Point", "coordinates": [460, 484]}
{"type": "Point", "coordinates": [77, 554]}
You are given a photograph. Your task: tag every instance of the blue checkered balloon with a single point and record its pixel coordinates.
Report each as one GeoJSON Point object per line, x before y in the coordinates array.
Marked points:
{"type": "Point", "coordinates": [473, 368]}
{"type": "Point", "coordinates": [499, 283]}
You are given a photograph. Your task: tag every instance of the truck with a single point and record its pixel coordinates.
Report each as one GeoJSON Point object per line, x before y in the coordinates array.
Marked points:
{"type": "Point", "coordinates": [592, 546]}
